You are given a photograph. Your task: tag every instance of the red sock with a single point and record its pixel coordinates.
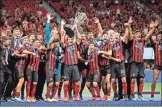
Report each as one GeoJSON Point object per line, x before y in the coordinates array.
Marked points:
{"type": "Point", "coordinates": [141, 85]}
{"type": "Point", "coordinates": [92, 91]}
{"type": "Point", "coordinates": [114, 86]}
{"type": "Point", "coordinates": [76, 89]}
{"type": "Point", "coordinates": [108, 91]}
{"type": "Point", "coordinates": [97, 90]}
{"type": "Point", "coordinates": [33, 90]}
{"type": "Point", "coordinates": [16, 94]}
{"type": "Point", "coordinates": [48, 91]}
{"type": "Point", "coordinates": [66, 89]}
{"type": "Point", "coordinates": [152, 93]}
{"type": "Point", "coordinates": [132, 87]}
{"type": "Point", "coordinates": [124, 85]}
{"type": "Point", "coordinates": [28, 85]}
{"type": "Point", "coordinates": [55, 91]}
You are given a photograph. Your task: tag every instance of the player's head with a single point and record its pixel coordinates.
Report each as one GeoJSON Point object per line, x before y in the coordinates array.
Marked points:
{"type": "Point", "coordinates": [36, 43]}
{"type": "Point", "coordinates": [83, 36]}
{"type": "Point", "coordinates": [25, 40]}
{"type": "Point", "coordinates": [116, 37]}
{"type": "Point", "coordinates": [55, 33]}
{"type": "Point", "coordinates": [6, 41]}
{"type": "Point", "coordinates": [55, 44]}
{"type": "Point", "coordinates": [106, 36]}
{"type": "Point", "coordinates": [40, 38]}
{"type": "Point", "coordinates": [90, 36]}
{"type": "Point", "coordinates": [17, 32]}
{"type": "Point", "coordinates": [137, 34]}
{"type": "Point", "coordinates": [91, 46]}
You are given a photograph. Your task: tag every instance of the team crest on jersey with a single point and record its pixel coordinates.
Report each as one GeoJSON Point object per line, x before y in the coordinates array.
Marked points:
{"type": "Point", "coordinates": [160, 47]}
{"type": "Point", "coordinates": [139, 46]}
{"type": "Point", "coordinates": [116, 47]}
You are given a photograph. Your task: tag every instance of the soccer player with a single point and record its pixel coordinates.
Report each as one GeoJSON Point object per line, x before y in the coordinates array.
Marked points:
{"type": "Point", "coordinates": [157, 46]}
{"type": "Point", "coordinates": [71, 71]}
{"type": "Point", "coordinates": [32, 70]}
{"type": "Point", "coordinates": [105, 66]}
{"type": "Point", "coordinates": [137, 50]}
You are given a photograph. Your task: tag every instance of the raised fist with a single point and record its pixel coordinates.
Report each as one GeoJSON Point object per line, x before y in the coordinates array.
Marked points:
{"type": "Point", "coordinates": [49, 17]}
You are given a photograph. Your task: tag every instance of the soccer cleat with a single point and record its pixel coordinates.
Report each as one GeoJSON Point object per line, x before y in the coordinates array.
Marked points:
{"type": "Point", "coordinates": [92, 98]}
{"type": "Point", "coordinates": [108, 98]}
{"type": "Point", "coordinates": [59, 98]}
{"type": "Point", "coordinates": [76, 98]}
{"type": "Point", "coordinates": [2, 99]}
{"type": "Point", "coordinates": [98, 98]}
{"type": "Point", "coordinates": [18, 99]}
{"type": "Point", "coordinates": [28, 99]}
{"type": "Point", "coordinates": [80, 96]}
{"type": "Point", "coordinates": [54, 100]}
{"type": "Point", "coordinates": [49, 100]}
{"type": "Point", "coordinates": [66, 99]}
{"type": "Point", "coordinates": [125, 97]}
{"type": "Point", "coordinates": [133, 98]}
{"type": "Point", "coordinates": [140, 97]}
{"type": "Point", "coordinates": [152, 98]}
{"type": "Point", "coordinates": [33, 99]}
{"type": "Point", "coordinates": [104, 98]}
{"type": "Point", "coordinates": [116, 97]}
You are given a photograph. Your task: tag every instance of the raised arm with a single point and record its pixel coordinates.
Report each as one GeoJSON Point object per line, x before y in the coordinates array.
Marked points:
{"type": "Point", "coordinates": [153, 26]}
{"type": "Point", "coordinates": [99, 27]}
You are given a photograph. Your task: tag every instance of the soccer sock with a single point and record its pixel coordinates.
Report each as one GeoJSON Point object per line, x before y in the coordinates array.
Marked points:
{"type": "Point", "coordinates": [28, 86]}
{"type": "Point", "coordinates": [48, 91]}
{"type": "Point", "coordinates": [66, 89]}
{"type": "Point", "coordinates": [97, 88]}
{"type": "Point", "coordinates": [55, 91]}
{"type": "Point", "coordinates": [124, 85]}
{"type": "Point", "coordinates": [132, 86]}
{"type": "Point", "coordinates": [91, 90]}
{"type": "Point", "coordinates": [33, 90]}
{"type": "Point", "coordinates": [82, 86]}
{"type": "Point", "coordinates": [114, 87]}
{"type": "Point", "coordinates": [76, 89]}
{"type": "Point", "coordinates": [108, 91]}
{"type": "Point", "coordinates": [60, 87]}
{"type": "Point", "coordinates": [141, 85]}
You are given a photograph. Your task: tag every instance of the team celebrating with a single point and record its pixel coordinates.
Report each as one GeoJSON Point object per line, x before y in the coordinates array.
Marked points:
{"type": "Point", "coordinates": [74, 59]}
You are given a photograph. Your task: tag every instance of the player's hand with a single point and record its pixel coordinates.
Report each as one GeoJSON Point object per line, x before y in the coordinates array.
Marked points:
{"type": "Point", "coordinates": [33, 54]}
{"type": "Point", "coordinates": [86, 63]}
{"type": "Point", "coordinates": [151, 24]}
{"type": "Point", "coordinates": [118, 60]}
{"type": "Point", "coordinates": [96, 20]}
{"type": "Point", "coordinates": [63, 22]}
{"type": "Point", "coordinates": [49, 17]}
{"type": "Point", "coordinates": [156, 23]}
{"type": "Point", "coordinates": [130, 21]}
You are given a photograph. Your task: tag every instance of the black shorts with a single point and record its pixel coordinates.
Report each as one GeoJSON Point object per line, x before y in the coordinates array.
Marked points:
{"type": "Point", "coordinates": [71, 73]}
{"type": "Point", "coordinates": [82, 66]}
{"type": "Point", "coordinates": [19, 71]}
{"type": "Point", "coordinates": [158, 67]}
{"type": "Point", "coordinates": [105, 70]}
{"type": "Point", "coordinates": [32, 75]}
{"type": "Point", "coordinates": [52, 76]}
{"type": "Point", "coordinates": [118, 70]}
{"type": "Point", "coordinates": [93, 77]}
{"type": "Point", "coordinates": [137, 69]}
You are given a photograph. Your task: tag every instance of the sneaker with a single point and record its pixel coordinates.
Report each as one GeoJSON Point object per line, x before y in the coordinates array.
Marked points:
{"type": "Point", "coordinates": [80, 96]}
{"type": "Point", "coordinates": [2, 99]}
{"type": "Point", "coordinates": [92, 98]}
{"type": "Point", "coordinates": [28, 99]}
{"type": "Point", "coordinates": [18, 99]}
{"type": "Point", "coordinates": [13, 99]}
{"type": "Point", "coordinates": [98, 98]}
{"type": "Point", "coordinates": [152, 98]}
{"type": "Point", "coordinates": [116, 97]}
{"type": "Point", "coordinates": [59, 98]}
{"type": "Point", "coordinates": [140, 97]}
{"type": "Point", "coordinates": [54, 100]}
{"type": "Point", "coordinates": [70, 98]}
{"type": "Point", "coordinates": [33, 99]}
{"type": "Point", "coordinates": [104, 98]}
{"type": "Point", "coordinates": [41, 99]}
{"type": "Point", "coordinates": [108, 98]}
{"type": "Point", "coordinates": [125, 97]}
{"type": "Point", "coordinates": [76, 98]}
{"type": "Point", "coordinates": [66, 99]}
{"type": "Point", "coordinates": [8, 99]}
{"type": "Point", "coordinates": [49, 100]}
{"type": "Point", "coordinates": [133, 98]}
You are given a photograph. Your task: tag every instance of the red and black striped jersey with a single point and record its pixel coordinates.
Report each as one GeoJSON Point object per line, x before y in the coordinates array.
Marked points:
{"type": "Point", "coordinates": [117, 51]}
{"type": "Point", "coordinates": [137, 50]}
{"type": "Point", "coordinates": [70, 55]}
{"type": "Point", "coordinates": [106, 46]}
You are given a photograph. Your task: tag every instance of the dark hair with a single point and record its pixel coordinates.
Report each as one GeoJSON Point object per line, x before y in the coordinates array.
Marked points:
{"type": "Point", "coordinates": [69, 32]}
